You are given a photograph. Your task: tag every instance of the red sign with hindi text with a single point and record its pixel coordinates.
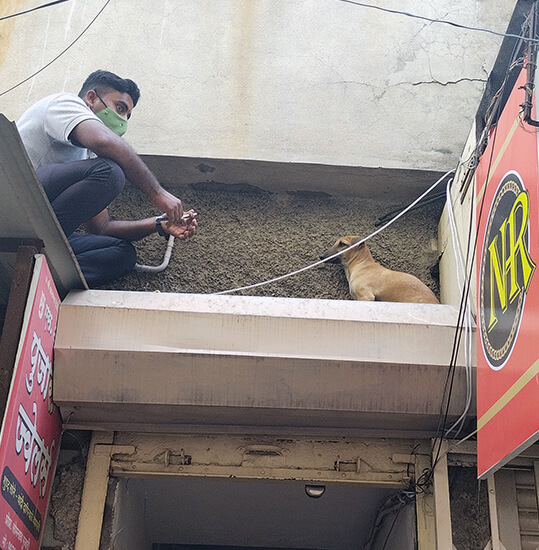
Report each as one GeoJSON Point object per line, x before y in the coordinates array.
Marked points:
{"type": "Point", "coordinates": [31, 428]}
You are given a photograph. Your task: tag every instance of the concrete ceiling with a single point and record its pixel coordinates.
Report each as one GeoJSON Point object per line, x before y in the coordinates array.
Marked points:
{"type": "Point", "coordinates": [258, 513]}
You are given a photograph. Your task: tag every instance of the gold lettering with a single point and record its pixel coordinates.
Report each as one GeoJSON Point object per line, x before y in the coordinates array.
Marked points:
{"type": "Point", "coordinates": [497, 276]}
{"type": "Point", "coordinates": [517, 246]}
{"type": "Point", "coordinates": [501, 267]}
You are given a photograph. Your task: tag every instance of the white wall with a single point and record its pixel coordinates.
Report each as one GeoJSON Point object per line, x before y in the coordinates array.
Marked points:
{"type": "Point", "coordinates": [453, 237]}
{"type": "Point", "coordinates": [320, 81]}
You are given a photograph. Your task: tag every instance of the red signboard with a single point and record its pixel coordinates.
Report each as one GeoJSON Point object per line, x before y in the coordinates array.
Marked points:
{"type": "Point", "coordinates": [508, 289]}
{"type": "Point", "coordinates": [31, 429]}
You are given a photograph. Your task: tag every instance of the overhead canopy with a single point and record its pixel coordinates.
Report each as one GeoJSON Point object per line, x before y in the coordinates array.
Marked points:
{"type": "Point", "coordinates": [141, 361]}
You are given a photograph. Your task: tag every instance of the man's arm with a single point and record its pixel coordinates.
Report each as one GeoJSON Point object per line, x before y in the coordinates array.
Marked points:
{"type": "Point", "coordinates": [95, 136]}
{"type": "Point", "coordinates": [135, 230]}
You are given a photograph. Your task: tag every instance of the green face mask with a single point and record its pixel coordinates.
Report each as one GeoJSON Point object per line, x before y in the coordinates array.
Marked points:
{"type": "Point", "coordinates": [111, 119]}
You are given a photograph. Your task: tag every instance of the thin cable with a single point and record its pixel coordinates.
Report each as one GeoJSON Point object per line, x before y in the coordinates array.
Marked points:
{"type": "Point", "coordinates": [461, 273]}
{"type": "Point", "coordinates": [391, 505]}
{"type": "Point", "coordinates": [425, 479]}
{"type": "Point", "coordinates": [448, 388]}
{"type": "Point", "coordinates": [442, 21]}
{"type": "Point", "coordinates": [281, 277]}
{"type": "Point", "coordinates": [464, 298]}
{"type": "Point", "coordinates": [33, 9]}
{"type": "Point", "coordinates": [60, 54]}
{"type": "Point", "coordinates": [470, 255]}
{"type": "Point", "coordinates": [68, 432]}
{"type": "Point", "coordinates": [391, 528]}
{"type": "Point", "coordinates": [389, 215]}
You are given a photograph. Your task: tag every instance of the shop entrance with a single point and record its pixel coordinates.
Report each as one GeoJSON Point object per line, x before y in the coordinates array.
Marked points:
{"type": "Point", "coordinates": [186, 492]}
{"type": "Point", "coordinates": [193, 513]}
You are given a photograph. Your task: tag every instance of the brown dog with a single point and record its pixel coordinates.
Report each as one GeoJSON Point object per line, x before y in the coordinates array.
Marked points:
{"type": "Point", "coordinates": [368, 280]}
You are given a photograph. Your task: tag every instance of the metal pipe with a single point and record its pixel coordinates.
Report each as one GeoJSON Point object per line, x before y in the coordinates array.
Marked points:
{"type": "Point", "coordinates": [163, 265]}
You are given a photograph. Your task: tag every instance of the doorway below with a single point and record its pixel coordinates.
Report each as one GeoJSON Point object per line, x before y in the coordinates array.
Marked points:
{"type": "Point", "coordinates": [203, 513]}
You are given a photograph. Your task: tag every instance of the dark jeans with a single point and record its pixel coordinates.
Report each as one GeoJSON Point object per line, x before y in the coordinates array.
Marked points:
{"type": "Point", "coordinates": [77, 192]}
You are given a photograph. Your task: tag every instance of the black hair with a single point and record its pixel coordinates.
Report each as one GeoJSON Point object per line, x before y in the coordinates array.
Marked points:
{"type": "Point", "coordinates": [105, 79]}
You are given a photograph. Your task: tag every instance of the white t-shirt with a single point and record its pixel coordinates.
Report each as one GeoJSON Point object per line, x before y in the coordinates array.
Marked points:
{"type": "Point", "coordinates": [45, 129]}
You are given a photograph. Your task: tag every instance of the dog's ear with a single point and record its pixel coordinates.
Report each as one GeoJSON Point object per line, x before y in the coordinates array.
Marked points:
{"type": "Point", "coordinates": [354, 240]}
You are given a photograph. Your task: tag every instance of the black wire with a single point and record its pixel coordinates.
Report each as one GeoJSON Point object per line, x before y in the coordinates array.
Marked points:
{"type": "Point", "coordinates": [390, 215]}
{"type": "Point", "coordinates": [464, 297]}
{"type": "Point", "coordinates": [33, 9]}
{"type": "Point", "coordinates": [443, 21]}
{"type": "Point", "coordinates": [60, 54]}
{"type": "Point", "coordinates": [458, 333]}
{"type": "Point", "coordinates": [392, 526]}
{"type": "Point", "coordinates": [448, 386]}
{"type": "Point", "coordinates": [425, 479]}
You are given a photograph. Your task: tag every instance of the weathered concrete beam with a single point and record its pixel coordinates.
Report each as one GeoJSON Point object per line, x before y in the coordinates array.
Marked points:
{"type": "Point", "coordinates": [145, 361]}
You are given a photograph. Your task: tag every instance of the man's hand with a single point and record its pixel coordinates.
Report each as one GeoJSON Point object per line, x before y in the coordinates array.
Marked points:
{"type": "Point", "coordinates": [138, 229]}
{"type": "Point", "coordinates": [186, 227]}
{"type": "Point", "coordinates": [170, 205]}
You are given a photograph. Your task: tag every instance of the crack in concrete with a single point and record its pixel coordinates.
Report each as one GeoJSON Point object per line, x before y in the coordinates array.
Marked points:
{"type": "Point", "coordinates": [434, 81]}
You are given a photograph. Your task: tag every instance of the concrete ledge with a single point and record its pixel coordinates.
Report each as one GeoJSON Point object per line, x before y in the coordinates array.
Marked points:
{"type": "Point", "coordinates": [374, 183]}
{"type": "Point", "coordinates": [135, 360]}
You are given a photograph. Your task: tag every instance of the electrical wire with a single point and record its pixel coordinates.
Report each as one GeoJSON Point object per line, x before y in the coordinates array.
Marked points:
{"type": "Point", "coordinates": [448, 389]}
{"type": "Point", "coordinates": [490, 119]}
{"type": "Point", "coordinates": [517, 63]}
{"type": "Point", "coordinates": [392, 527]}
{"type": "Point", "coordinates": [68, 432]}
{"type": "Point", "coordinates": [450, 378]}
{"type": "Point", "coordinates": [281, 277]}
{"type": "Point", "coordinates": [33, 9]}
{"type": "Point", "coordinates": [467, 326]}
{"type": "Point", "coordinates": [451, 448]}
{"type": "Point", "coordinates": [424, 481]}
{"type": "Point", "coordinates": [442, 21]}
{"type": "Point", "coordinates": [60, 54]}
{"type": "Point", "coordinates": [386, 217]}
{"type": "Point", "coordinates": [464, 318]}
{"type": "Point", "coordinates": [394, 504]}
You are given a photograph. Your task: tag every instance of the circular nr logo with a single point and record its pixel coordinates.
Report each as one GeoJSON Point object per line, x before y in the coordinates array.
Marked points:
{"type": "Point", "coordinates": [506, 270]}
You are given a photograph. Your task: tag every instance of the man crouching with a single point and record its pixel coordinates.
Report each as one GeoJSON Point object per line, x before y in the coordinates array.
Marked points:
{"type": "Point", "coordinates": [74, 143]}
